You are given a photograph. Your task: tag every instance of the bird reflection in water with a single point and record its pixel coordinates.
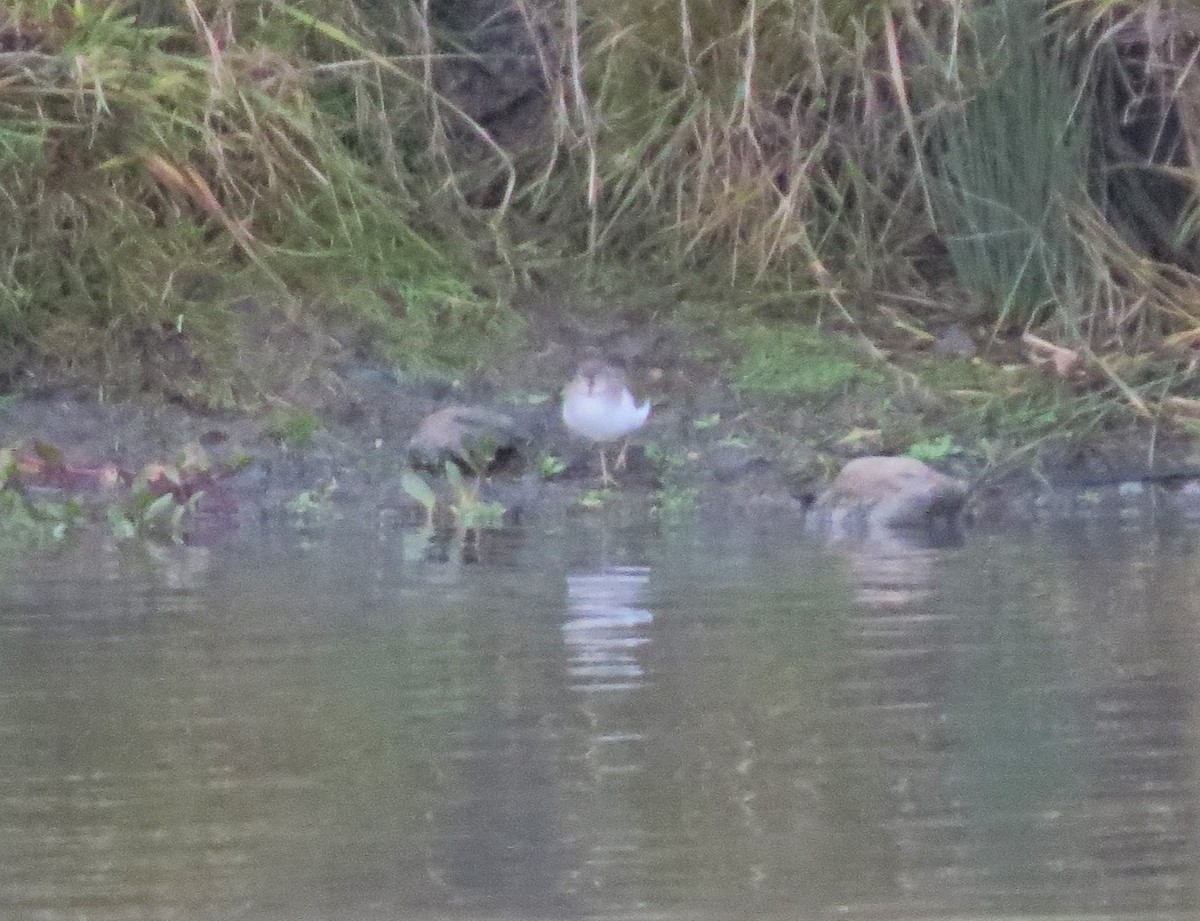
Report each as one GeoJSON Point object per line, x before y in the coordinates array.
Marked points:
{"type": "Point", "coordinates": [607, 625]}
{"type": "Point", "coordinates": [605, 634]}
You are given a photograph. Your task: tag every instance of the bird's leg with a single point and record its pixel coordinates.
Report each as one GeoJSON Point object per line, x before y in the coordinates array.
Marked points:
{"type": "Point", "coordinates": [605, 477]}
{"type": "Point", "coordinates": [619, 463]}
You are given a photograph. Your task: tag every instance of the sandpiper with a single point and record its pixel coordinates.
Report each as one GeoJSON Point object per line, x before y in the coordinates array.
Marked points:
{"type": "Point", "coordinates": [599, 405]}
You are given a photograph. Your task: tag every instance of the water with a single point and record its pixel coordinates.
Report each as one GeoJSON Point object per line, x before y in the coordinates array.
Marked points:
{"type": "Point", "coordinates": [593, 722]}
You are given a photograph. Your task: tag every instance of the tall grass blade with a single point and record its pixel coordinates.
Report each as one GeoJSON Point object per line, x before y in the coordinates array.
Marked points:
{"type": "Point", "coordinates": [1011, 166]}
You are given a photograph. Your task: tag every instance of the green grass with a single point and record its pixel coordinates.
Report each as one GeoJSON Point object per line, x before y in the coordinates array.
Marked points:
{"type": "Point", "coordinates": [799, 363]}
{"type": "Point", "coordinates": [993, 414]}
{"type": "Point", "coordinates": [294, 427]}
{"type": "Point", "coordinates": [154, 183]}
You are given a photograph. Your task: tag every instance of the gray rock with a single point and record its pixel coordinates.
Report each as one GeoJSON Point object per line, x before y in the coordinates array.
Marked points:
{"type": "Point", "coordinates": [462, 434]}
{"type": "Point", "coordinates": [888, 492]}
{"type": "Point", "coordinates": [732, 462]}
{"type": "Point", "coordinates": [955, 340]}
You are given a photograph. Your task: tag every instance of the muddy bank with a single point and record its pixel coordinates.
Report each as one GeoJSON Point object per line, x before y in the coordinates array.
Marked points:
{"type": "Point", "coordinates": [347, 447]}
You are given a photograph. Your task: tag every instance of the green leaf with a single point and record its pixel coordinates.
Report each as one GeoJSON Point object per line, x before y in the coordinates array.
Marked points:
{"type": "Point", "coordinates": [455, 478]}
{"type": "Point", "coordinates": [122, 528]}
{"type": "Point", "coordinates": [8, 465]}
{"type": "Point", "coordinates": [934, 449]}
{"type": "Point", "coordinates": [159, 508]}
{"type": "Point", "coordinates": [416, 487]}
{"type": "Point", "coordinates": [177, 519]}
{"type": "Point", "coordinates": [327, 29]}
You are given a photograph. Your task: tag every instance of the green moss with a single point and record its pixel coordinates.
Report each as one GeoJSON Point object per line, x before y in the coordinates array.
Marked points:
{"type": "Point", "coordinates": [295, 427]}
{"type": "Point", "coordinates": [801, 363]}
{"type": "Point", "coordinates": [953, 374]}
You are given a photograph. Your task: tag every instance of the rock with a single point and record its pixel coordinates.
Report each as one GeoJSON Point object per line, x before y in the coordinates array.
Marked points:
{"type": "Point", "coordinates": [728, 463]}
{"type": "Point", "coordinates": [464, 434]}
{"type": "Point", "coordinates": [888, 492]}
{"type": "Point", "coordinates": [955, 340]}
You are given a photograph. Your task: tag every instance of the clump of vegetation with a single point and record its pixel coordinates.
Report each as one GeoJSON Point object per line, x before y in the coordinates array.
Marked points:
{"type": "Point", "coordinates": [549, 465]}
{"type": "Point", "coordinates": [148, 516]}
{"type": "Point", "coordinates": [468, 510]}
{"type": "Point", "coordinates": [1011, 168]}
{"type": "Point", "coordinates": [293, 427]}
{"type": "Point", "coordinates": [992, 413]}
{"type": "Point", "coordinates": [156, 176]}
{"type": "Point", "coordinates": [161, 499]}
{"type": "Point", "coordinates": [595, 499]}
{"type": "Point", "coordinates": [156, 505]}
{"type": "Point", "coordinates": [738, 130]}
{"type": "Point", "coordinates": [932, 450]}
{"type": "Point", "coordinates": [926, 159]}
{"type": "Point", "coordinates": [311, 505]}
{"type": "Point", "coordinates": [25, 524]}
{"type": "Point", "coordinates": [677, 497]}
{"type": "Point", "coordinates": [415, 486]}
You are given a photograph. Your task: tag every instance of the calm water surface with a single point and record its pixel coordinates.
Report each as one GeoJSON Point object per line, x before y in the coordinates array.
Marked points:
{"type": "Point", "coordinates": [585, 721]}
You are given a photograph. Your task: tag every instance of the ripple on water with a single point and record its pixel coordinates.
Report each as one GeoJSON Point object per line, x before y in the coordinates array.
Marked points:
{"type": "Point", "coordinates": [592, 722]}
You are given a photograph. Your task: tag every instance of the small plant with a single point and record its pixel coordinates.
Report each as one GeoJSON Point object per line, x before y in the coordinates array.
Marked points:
{"type": "Point", "coordinates": [704, 423]}
{"type": "Point", "coordinates": [550, 466]}
{"type": "Point", "coordinates": [934, 449]}
{"type": "Point", "coordinates": [29, 524]}
{"type": "Point", "coordinates": [293, 427]}
{"type": "Point", "coordinates": [676, 497]}
{"type": "Point", "coordinates": [313, 504]}
{"type": "Point", "coordinates": [150, 513]}
{"type": "Point", "coordinates": [24, 523]}
{"type": "Point", "coordinates": [594, 499]}
{"type": "Point", "coordinates": [416, 487]}
{"type": "Point", "coordinates": [675, 502]}
{"type": "Point", "coordinates": [469, 510]}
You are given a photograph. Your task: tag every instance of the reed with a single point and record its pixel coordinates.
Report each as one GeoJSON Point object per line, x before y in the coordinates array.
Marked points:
{"type": "Point", "coordinates": [1011, 166]}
